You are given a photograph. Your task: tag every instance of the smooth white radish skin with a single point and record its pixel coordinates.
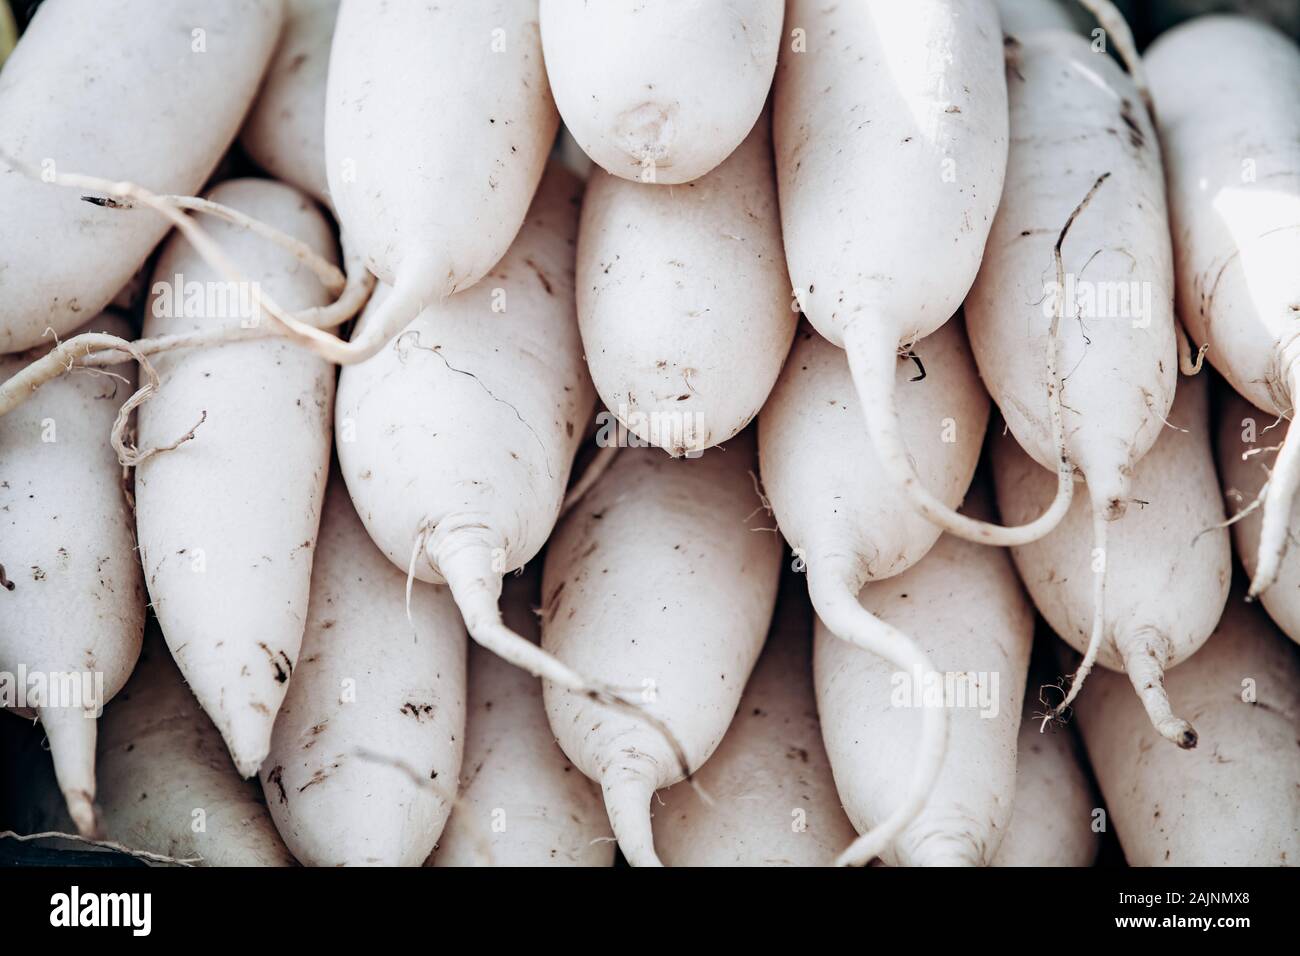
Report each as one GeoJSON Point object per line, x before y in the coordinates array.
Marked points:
{"type": "Point", "coordinates": [227, 521]}
{"type": "Point", "coordinates": [67, 108]}
{"type": "Point", "coordinates": [1168, 563]}
{"type": "Point", "coordinates": [774, 801]}
{"type": "Point", "coordinates": [969, 616]}
{"type": "Point", "coordinates": [1247, 448]}
{"type": "Point", "coordinates": [166, 783]}
{"type": "Point", "coordinates": [1227, 93]}
{"type": "Point", "coordinates": [73, 596]}
{"type": "Point", "coordinates": [285, 129]}
{"type": "Point", "coordinates": [368, 743]}
{"type": "Point", "coordinates": [890, 127]}
{"type": "Point", "coordinates": [660, 92]}
{"type": "Point", "coordinates": [1051, 823]}
{"type": "Point", "coordinates": [843, 516]}
{"type": "Point", "coordinates": [456, 441]}
{"type": "Point", "coordinates": [521, 802]}
{"type": "Point", "coordinates": [681, 545]}
{"type": "Point", "coordinates": [1230, 802]}
{"type": "Point", "coordinates": [438, 122]}
{"type": "Point", "coordinates": [683, 299]}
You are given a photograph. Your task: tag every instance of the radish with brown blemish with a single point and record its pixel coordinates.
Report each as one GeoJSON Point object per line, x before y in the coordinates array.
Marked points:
{"type": "Point", "coordinates": [684, 300]}
{"type": "Point", "coordinates": [660, 92]}
{"type": "Point", "coordinates": [521, 802]}
{"type": "Point", "coordinates": [849, 523]}
{"type": "Point", "coordinates": [227, 521]}
{"type": "Point", "coordinates": [72, 599]}
{"type": "Point", "coordinates": [1227, 94]}
{"type": "Point", "coordinates": [1168, 561]}
{"type": "Point", "coordinates": [662, 580]}
{"type": "Point", "coordinates": [367, 747]}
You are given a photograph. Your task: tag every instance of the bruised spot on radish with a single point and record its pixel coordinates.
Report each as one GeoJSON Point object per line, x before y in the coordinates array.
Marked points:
{"type": "Point", "coordinates": [276, 777]}
{"type": "Point", "coordinates": [1136, 136]}
{"type": "Point", "coordinates": [418, 711]}
{"type": "Point", "coordinates": [282, 673]}
{"type": "Point", "coordinates": [320, 776]}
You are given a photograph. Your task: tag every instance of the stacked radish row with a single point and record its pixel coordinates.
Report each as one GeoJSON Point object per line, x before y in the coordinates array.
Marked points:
{"type": "Point", "coordinates": [512, 586]}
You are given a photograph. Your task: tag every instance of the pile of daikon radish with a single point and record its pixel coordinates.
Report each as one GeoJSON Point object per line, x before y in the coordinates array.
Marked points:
{"type": "Point", "coordinates": [658, 500]}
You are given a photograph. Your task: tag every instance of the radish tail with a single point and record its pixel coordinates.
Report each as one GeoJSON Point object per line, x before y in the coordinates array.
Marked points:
{"type": "Point", "coordinates": [56, 362]}
{"type": "Point", "coordinates": [356, 292]}
{"type": "Point", "coordinates": [467, 566]}
{"type": "Point", "coordinates": [1186, 364]}
{"type": "Point", "coordinates": [174, 210]}
{"type": "Point", "coordinates": [873, 364]}
{"type": "Point", "coordinates": [1279, 494]}
{"type": "Point", "coordinates": [838, 607]}
{"type": "Point", "coordinates": [1100, 528]}
{"type": "Point", "coordinates": [327, 273]}
{"type": "Point", "coordinates": [414, 289]}
{"type": "Point", "coordinates": [627, 801]}
{"type": "Point", "coordinates": [466, 561]}
{"type": "Point", "coordinates": [1107, 484]}
{"type": "Point", "coordinates": [1146, 653]}
{"type": "Point", "coordinates": [106, 844]}
{"type": "Point", "coordinates": [72, 733]}
{"type": "Point", "coordinates": [1112, 21]}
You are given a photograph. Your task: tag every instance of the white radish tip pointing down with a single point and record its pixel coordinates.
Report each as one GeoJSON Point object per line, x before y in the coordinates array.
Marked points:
{"type": "Point", "coordinates": [628, 792]}
{"type": "Point", "coordinates": [72, 733]}
{"type": "Point", "coordinates": [1145, 658]}
{"type": "Point", "coordinates": [249, 741]}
